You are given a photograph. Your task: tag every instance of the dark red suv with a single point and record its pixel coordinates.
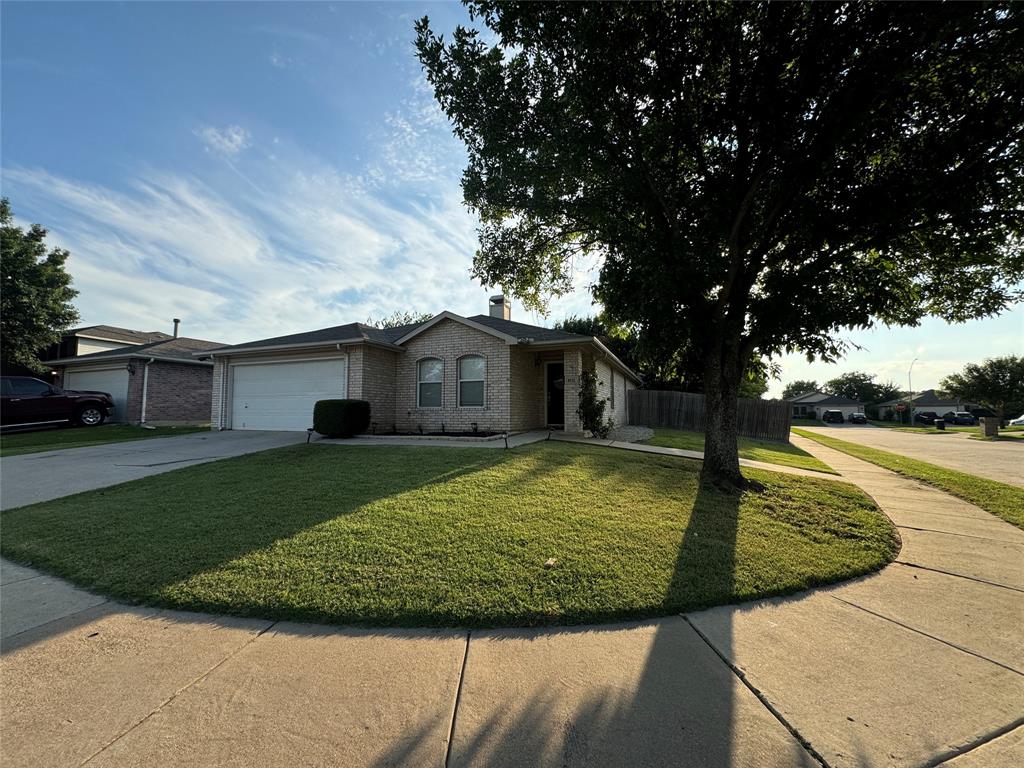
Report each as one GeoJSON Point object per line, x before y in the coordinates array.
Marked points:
{"type": "Point", "coordinates": [27, 401]}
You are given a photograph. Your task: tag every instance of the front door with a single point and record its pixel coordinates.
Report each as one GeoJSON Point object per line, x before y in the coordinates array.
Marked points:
{"type": "Point", "coordinates": [555, 389]}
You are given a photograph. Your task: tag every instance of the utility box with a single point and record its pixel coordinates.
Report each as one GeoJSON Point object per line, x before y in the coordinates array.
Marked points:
{"type": "Point", "coordinates": [989, 426]}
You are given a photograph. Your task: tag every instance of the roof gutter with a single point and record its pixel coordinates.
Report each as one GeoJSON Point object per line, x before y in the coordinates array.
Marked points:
{"type": "Point", "coordinates": [586, 340]}
{"type": "Point", "coordinates": [240, 350]}
{"type": "Point", "coordinates": [87, 360]}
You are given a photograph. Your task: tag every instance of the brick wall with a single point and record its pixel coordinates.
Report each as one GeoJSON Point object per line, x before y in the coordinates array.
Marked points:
{"type": "Point", "coordinates": [449, 341]}
{"type": "Point", "coordinates": [526, 394]}
{"type": "Point", "coordinates": [220, 372]}
{"type": "Point", "coordinates": [375, 372]}
{"type": "Point", "coordinates": [178, 393]}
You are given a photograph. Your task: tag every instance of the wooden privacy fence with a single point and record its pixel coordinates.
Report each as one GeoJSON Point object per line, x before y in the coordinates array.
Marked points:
{"type": "Point", "coordinates": [761, 419]}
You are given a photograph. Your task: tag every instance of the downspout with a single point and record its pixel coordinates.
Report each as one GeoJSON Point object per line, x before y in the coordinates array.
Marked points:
{"type": "Point", "coordinates": [145, 389]}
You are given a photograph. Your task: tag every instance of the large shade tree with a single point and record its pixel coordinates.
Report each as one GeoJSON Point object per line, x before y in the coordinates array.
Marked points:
{"type": "Point", "coordinates": [997, 382]}
{"type": "Point", "coordinates": [752, 176]}
{"type": "Point", "coordinates": [860, 386]}
{"type": "Point", "coordinates": [35, 293]}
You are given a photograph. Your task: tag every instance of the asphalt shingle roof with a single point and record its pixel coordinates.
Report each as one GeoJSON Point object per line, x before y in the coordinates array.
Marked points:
{"type": "Point", "coordinates": [120, 334]}
{"type": "Point", "coordinates": [524, 331]}
{"type": "Point", "coordinates": [391, 335]}
{"type": "Point", "coordinates": [180, 348]}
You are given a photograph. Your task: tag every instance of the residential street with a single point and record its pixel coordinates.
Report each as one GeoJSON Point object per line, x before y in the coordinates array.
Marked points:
{"type": "Point", "coordinates": [907, 667]}
{"type": "Point", "coordinates": [1001, 460]}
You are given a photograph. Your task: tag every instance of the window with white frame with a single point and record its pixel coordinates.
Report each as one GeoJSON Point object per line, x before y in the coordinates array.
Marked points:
{"type": "Point", "coordinates": [430, 375]}
{"type": "Point", "coordinates": [472, 373]}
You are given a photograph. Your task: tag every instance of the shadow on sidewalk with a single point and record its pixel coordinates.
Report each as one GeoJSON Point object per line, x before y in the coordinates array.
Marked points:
{"type": "Point", "coordinates": [678, 708]}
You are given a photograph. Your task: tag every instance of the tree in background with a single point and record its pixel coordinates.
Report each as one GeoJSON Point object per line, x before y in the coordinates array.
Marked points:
{"type": "Point", "coordinates": [399, 318]}
{"type": "Point", "coordinates": [799, 387]}
{"type": "Point", "coordinates": [680, 372]}
{"type": "Point", "coordinates": [862, 387]}
{"type": "Point", "coordinates": [36, 293]}
{"type": "Point", "coordinates": [753, 177]}
{"type": "Point", "coordinates": [997, 382]}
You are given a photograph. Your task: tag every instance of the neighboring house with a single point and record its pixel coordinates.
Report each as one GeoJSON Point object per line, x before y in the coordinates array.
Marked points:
{"type": "Point", "coordinates": [100, 338]}
{"type": "Point", "coordinates": [810, 405]}
{"type": "Point", "coordinates": [449, 373]}
{"type": "Point", "coordinates": [160, 382]}
{"type": "Point", "coordinates": [927, 401]}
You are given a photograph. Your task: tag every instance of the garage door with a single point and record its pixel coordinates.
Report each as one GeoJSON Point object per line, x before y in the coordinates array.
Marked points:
{"type": "Point", "coordinates": [280, 396]}
{"type": "Point", "coordinates": [112, 380]}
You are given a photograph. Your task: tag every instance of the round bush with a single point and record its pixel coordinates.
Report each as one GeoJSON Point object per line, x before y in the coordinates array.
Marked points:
{"type": "Point", "coordinates": [341, 418]}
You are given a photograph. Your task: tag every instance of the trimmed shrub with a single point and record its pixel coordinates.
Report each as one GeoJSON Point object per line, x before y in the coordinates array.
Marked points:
{"type": "Point", "coordinates": [341, 418]}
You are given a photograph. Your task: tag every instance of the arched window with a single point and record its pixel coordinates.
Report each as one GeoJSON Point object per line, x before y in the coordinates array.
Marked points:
{"type": "Point", "coordinates": [429, 377]}
{"type": "Point", "coordinates": [472, 374]}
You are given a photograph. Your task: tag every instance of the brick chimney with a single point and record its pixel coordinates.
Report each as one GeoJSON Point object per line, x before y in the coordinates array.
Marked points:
{"type": "Point", "coordinates": [501, 307]}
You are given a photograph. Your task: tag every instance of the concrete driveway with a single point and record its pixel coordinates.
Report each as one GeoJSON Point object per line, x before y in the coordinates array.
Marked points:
{"type": "Point", "coordinates": [919, 664]}
{"type": "Point", "coordinates": [33, 477]}
{"type": "Point", "coordinates": [999, 460]}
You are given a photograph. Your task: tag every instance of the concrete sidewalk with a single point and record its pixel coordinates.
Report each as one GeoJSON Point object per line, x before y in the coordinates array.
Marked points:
{"type": "Point", "coordinates": [919, 664]}
{"type": "Point", "coordinates": [698, 455]}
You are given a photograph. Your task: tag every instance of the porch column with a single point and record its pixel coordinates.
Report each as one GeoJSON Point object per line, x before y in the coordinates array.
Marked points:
{"type": "Point", "coordinates": [573, 361]}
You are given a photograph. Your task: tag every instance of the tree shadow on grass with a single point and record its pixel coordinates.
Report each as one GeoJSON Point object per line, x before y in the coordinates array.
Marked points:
{"type": "Point", "coordinates": [133, 540]}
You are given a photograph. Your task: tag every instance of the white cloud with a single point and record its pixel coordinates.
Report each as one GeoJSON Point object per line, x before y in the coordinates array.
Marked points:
{"type": "Point", "coordinates": [228, 141]}
{"type": "Point", "coordinates": [280, 61]}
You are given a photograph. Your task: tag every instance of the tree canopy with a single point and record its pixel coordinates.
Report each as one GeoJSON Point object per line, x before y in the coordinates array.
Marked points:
{"type": "Point", "coordinates": [997, 382]}
{"type": "Point", "coordinates": [862, 387]}
{"type": "Point", "coordinates": [35, 300]}
{"type": "Point", "coordinates": [752, 177]}
{"type": "Point", "coordinates": [399, 318]}
{"type": "Point", "coordinates": [799, 387]}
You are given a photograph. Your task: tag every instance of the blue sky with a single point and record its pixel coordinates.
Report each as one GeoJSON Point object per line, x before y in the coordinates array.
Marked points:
{"type": "Point", "coordinates": [261, 169]}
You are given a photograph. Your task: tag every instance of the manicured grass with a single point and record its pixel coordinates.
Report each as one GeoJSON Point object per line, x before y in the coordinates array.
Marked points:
{"type": "Point", "coordinates": [786, 454]}
{"type": "Point", "coordinates": [14, 443]}
{"type": "Point", "coordinates": [1002, 500]}
{"type": "Point", "coordinates": [393, 535]}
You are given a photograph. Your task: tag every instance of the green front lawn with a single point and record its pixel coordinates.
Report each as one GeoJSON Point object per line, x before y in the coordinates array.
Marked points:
{"type": "Point", "coordinates": [393, 535]}
{"type": "Point", "coordinates": [77, 437]}
{"type": "Point", "coordinates": [1002, 500]}
{"type": "Point", "coordinates": [786, 454]}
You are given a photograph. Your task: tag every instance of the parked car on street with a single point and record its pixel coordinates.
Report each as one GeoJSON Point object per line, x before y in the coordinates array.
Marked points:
{"type": "Point", "coordinates": [858, 418]}
{"type": "Point", "coordinates": [961, 418]}
{"type": "Point", "coordinates": [1018, 422]}
{"type": "Point", "coordinates": [925, 417]}
{"type": "Point", "coordinates": [27, 401]}
{"type": "Point", "coordinates": [832, 417]}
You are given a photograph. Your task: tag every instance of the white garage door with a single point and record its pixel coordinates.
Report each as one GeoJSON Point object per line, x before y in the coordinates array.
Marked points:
{"type": "Point", "coordinates": [280, 396]}
{"type": "Point", "coordinates": [112, 380]}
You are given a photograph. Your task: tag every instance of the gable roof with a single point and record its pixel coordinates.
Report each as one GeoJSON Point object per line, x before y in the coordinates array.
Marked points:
{"type": "Point", "coordinates": [358, 333]}
{"type": "Point", "coordinates": [113, 333]}
{"type": "Point", "coordinates": [928, 397]}
{"type": "Point", "coordinates": [181, 349]}
{"type": "Point", "coordinates": [822, 398]}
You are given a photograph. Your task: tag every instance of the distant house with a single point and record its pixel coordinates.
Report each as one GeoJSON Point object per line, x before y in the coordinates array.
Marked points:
{"type": "Point", "coordinates": [153, 377]}
{"type": "Point", "coordinates": [99, 338]}
{"type": "Point", "coordinates": [810, 405]}
{"type": "Point", "coordinates": [927, 401]}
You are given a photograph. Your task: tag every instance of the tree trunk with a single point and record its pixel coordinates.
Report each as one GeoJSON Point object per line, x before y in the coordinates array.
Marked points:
{"type": "Point", "coordinates": [723, 371]}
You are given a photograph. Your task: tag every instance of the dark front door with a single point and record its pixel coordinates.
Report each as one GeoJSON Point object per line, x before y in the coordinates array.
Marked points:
{"type": "Point", "coordinates": [555, 373]}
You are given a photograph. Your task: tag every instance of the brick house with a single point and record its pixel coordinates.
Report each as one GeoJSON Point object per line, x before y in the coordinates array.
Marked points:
{"type": "Point", "coordinates": [455, 374]}
{"type": "Point", "coordinates": [160, 382]}
{"type": "Point", "coordinates": [811, 405]}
